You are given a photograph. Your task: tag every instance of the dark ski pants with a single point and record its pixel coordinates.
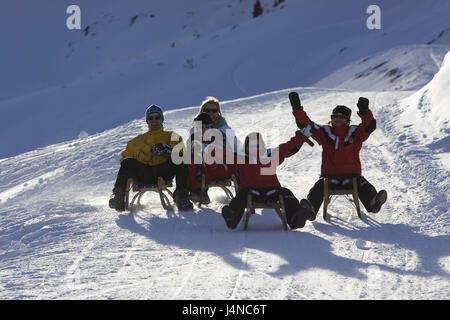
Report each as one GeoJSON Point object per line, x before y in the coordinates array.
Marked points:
{"type": "Point", "coordinates": [144, 173]}
{"type": "Point", "coordinates": [366, 191]}
{"type": "Point", "coordinates": [239, 203]}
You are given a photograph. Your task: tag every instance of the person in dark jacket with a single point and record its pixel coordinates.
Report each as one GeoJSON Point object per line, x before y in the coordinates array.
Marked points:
{"type": "Point", "coordinates": [341, 144]}
{"type": "Point", "coordinates": [257, 176]}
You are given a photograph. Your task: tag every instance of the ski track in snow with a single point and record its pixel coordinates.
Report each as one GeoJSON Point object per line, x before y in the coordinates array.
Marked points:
{"type": "Point", "coordinates": [59, 239]}
{"type": "Point", "coordinates": [188, 275]}
{"type": "Point", "coordinates": [240, 275]}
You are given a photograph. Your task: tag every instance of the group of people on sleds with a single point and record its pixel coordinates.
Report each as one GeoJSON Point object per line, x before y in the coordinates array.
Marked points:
{"type": "Point", "coordinates": [149, 156]}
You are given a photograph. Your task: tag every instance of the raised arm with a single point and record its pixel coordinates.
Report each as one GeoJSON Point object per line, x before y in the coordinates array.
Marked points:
{"type": "Point", "coordinates": [368, 123]}
{"type": "Point", "coordinates": [289, 148]}
{"type": "Point", "coordinates": [304, 123]}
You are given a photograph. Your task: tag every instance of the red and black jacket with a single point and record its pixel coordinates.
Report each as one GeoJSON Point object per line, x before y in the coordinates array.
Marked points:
{"type": "Point", "coordinates": [340, 145]}
{"type": "Point", "coordinates": [251, 173]}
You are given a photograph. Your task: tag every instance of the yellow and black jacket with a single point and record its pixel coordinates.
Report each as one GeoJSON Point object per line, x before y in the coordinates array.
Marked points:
{"type": "Point", "coordinates": [140, 147]}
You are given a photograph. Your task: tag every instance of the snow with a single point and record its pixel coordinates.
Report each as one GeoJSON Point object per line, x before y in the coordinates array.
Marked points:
{"type": "Point", "coordinates": [398, 68]}
{"type": "Point", "coordinates": [60, 240]}
{"type": "Point", "coordinates": [428, 107]}
{"type": "Point", "coordinates": [177, 52]}
{"type": "Point", "coordinates": [65, 131]}
{"type": "Point", "coordinates": [427, 113]}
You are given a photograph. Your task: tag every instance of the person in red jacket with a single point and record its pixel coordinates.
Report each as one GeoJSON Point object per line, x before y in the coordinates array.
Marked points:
{"type": "Point", "coordinates": [341, 144]}
{"type": "Point", "coordinates": [257, 176]}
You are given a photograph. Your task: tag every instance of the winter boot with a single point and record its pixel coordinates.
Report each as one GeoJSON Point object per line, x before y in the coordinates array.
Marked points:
{"type": "Point", "coordinates": [305, 212]}
{"type": "Point", "coordinates": [308, 208]}
{"type": "Point", "coordinates": [297, 220]}
{"type": "Point", "coordinates": [196, 196]}
{"type": "Point", "coordinates": [181, 199]}
{"type": "Point", "coordinates": [230, 217]}
{"type": "Point", "coordinates": [118, 200]}
{"type": "Point", "coordinates": [377, 201]}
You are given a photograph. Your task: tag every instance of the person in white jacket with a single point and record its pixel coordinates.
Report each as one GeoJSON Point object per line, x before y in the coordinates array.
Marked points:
{"type": "Point", "coordinates": [211, 106]}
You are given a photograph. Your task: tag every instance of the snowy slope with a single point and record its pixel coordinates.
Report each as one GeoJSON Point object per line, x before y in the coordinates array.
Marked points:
{"type": "Point", "coordinates": [55, 83]}
{"type": "Point", "coordinates": [58, 238]}
{"type": "Point", "coordinates": [399, 68]}
{"type": "Point", "coordinates": [426, 113]}
{"type": "Point", "coordinates": [427, 109]}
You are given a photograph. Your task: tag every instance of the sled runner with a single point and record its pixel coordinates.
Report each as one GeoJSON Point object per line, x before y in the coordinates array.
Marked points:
{"type": "Point", "coordinates": [224, 184]}
{"type": "Point", "coordinates": [278, 206]}
{"type": "Point", "coordinates": [329, 193]}
{"type": "Point", "coordinates": [161, 187]}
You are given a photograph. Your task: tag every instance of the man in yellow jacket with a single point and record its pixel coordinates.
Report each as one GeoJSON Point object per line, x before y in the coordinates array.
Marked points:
{"type": "Point", "coordinates": [148, 156]}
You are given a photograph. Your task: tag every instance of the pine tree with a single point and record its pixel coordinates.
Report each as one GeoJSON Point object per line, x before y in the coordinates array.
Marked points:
{"type": "Point", "coordinates": [257, 9]}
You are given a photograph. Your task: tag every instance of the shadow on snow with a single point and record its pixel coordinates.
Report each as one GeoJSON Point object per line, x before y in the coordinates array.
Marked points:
{"type": "Point", "coordinates": [206, 231]}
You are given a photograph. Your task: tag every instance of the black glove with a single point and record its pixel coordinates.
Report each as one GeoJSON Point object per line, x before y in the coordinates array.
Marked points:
{"type": "Point", "coordinates": [295, 100]}
{"type": "Point", "coordinates": [363, 105]}
{"type": "Point", "coordinates": [160, 149]}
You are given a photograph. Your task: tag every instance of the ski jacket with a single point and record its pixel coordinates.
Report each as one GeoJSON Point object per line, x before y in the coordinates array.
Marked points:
{"type": "Point", "coordinates": [140, 147]}
{"type": "Point", "coordinates": [230, 141]}
{"type": "Point", "coordinates": [212, 170]}
{"type": "Point", "coordinates": [340, 145]}
{"type": "Point", "coordinates": [231, 138]}
{"type": "Point", "coordinates": [251, 174]}
{"type": "Point", "coordinates": [203, 148]}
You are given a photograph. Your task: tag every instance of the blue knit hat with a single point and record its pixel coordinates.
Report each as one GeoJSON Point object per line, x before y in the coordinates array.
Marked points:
{"type": "Point", "coordinates": [154, 108]}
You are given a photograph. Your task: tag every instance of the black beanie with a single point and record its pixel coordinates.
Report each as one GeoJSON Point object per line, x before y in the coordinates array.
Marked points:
{"type": "Point", "coordinates": [342, 110]}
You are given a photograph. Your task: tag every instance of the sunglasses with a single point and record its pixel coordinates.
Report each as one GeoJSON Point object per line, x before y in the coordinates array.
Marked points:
{"type": "Point", "coordinates": [210, 110]}
{"type": "Point", "coordinates": [340, 116]}
{"type": "Point", "coordinates": [154, 118]}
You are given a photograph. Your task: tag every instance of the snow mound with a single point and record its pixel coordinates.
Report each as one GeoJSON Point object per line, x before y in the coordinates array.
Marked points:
{"type": "Point", "coordinates": [427, 109]}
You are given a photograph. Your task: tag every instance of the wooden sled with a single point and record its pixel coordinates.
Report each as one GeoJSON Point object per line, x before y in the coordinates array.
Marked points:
{"type": "Point", "coordinates": [161, 187]}
{"type": "Point", "coordinates": [329, 193]}
{"type": "Point", "coordinates": [278, 206]}
{"type": "Point", "coordinates": [225, 185]}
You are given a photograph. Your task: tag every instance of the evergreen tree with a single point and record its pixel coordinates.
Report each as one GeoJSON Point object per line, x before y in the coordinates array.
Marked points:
{"type": "Point", "coordinates": [257, 9]}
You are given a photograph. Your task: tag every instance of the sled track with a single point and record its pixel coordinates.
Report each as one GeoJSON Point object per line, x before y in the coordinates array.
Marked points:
{"type": "Point", "coordinates": [240, 274]}
{"type": "Point", "coordinates": [187, 276]}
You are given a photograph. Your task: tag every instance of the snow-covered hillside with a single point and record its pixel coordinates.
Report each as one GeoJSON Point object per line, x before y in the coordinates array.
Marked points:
{"type": "Point", "coordinates": [57, 82]}
{"type": "Point", "coordinates": [400, 68]}
{"type": "Point", "coordinates": [428, 109]}
{"type": "Point", "coordinates": [60, 240]}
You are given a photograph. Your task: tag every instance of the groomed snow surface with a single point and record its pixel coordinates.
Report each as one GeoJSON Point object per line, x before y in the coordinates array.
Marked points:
{"type": "Point", "coordinates": [60, 240]}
